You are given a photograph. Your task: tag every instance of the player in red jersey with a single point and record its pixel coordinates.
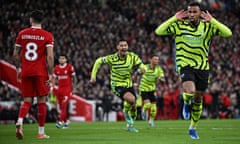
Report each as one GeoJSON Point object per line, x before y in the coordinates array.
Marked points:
{"type": "Point", "coordinates": [34, 52]}
{"type": "Point", "coordinates": [65, 77]}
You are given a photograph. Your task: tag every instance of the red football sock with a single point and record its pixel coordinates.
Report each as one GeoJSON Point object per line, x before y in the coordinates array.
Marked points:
{"type": "Point", "coordinates": [42, 111]}
{"type": "Point", "coordinates": [63, 113]}
{"type": "Point", "coordinates": [24, 109]}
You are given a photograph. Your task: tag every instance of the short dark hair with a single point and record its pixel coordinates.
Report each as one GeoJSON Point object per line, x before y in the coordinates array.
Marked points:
{"type": "Point", "coordinates": [195, 3]}
{"type": "Point", "coordinates": [37, 16]}
{"type": "Point", "coordinates": [154, 55]}
{"type": "Point", "coordinates": [122, 40]}
{"type": "Point", "coordinates": [64, 55]}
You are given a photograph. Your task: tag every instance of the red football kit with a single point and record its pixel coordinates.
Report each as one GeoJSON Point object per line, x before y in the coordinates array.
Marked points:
{"type": "Point", "coordinates": [64, 76]}
{"type": "Point", "coordinates": [63, 73]}
{"type": "Point", "coordinates": [34, 42]}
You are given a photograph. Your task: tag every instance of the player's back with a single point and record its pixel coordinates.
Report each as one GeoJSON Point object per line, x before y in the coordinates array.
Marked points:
{"type": "Point", "coordinates": [34, 42]}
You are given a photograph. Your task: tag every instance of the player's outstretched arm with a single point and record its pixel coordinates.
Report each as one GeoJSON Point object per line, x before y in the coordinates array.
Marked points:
{"type": "Point", "coordinates": [162, 29]}
{"type": "Point", "coordinates": [95, 68]}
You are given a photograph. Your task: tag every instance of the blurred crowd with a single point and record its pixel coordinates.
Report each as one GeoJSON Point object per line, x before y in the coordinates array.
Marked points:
{"type": "Point", "coordinates": [87, 29]}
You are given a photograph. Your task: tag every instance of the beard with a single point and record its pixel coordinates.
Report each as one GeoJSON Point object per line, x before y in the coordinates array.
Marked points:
{"type": "Point", "coordinates": [193, 21]}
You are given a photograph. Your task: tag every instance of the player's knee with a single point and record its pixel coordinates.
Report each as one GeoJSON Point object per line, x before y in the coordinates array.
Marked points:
{"type": "Point", "coordinates": [130, 98]}
{"type": "Point", "coordinates": [198, 97]}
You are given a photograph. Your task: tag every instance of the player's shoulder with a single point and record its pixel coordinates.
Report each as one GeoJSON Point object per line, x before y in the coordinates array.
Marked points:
{"type": "Point", "coordinates": [147, 66]}
{"type": "Point", "coordinates": [112, 56]}
{"type": "Point", "coordinates": [57, 67]}
{"type": "Point", "coordinates": [31, 30]}
{"type": "Point", "coordinates": [184, 23]}
{"type": "Point", "coordinates": [178, 22]}
{"type": "Point", "coordinates": [207, 24]}
{"type": "Point", "coordinates": [131, 53]}
{"type": "Point", "coordinates": [69, 65]}
{"type": "Point", "coordinates": [26, 30]}
{"type": "Point", "coordinates": [158, 67]}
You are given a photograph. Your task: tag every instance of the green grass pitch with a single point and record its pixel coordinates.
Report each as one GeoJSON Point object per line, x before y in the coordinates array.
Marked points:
{"type": "Point", "coordinates": [164, 132]}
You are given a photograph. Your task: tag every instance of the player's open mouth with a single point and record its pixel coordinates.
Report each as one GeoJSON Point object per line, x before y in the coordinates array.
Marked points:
{"type": "Point", "coordinates": [124, 50]}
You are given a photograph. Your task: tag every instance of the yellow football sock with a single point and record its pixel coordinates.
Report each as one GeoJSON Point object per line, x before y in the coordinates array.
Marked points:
{"type": "Point", "coordinates": [196, 113]}
{"type": "Point", "coordinates": [153, 111]}
{"type": "Point", "coordinates": [187, 97]}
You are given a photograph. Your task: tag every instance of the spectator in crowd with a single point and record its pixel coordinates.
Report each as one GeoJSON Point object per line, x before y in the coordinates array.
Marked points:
{"type": "Point", "coordinates": [107, 105]}
{"type": "Point", "coordinates": [225, 106]}
{"type": "Point", "coordinates": [171, 102]}
{"type": "Point", "coordinates": [207, 103]}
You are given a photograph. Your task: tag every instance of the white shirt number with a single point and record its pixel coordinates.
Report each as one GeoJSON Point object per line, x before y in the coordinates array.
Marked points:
{"type": "Point", "coordinates": [31, 53]}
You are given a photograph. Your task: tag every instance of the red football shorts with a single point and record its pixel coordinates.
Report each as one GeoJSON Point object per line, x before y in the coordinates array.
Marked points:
{"type": "Point", "coordinates": [34, 86]}
{"type": "Point", "coordinates": [62, 94]}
